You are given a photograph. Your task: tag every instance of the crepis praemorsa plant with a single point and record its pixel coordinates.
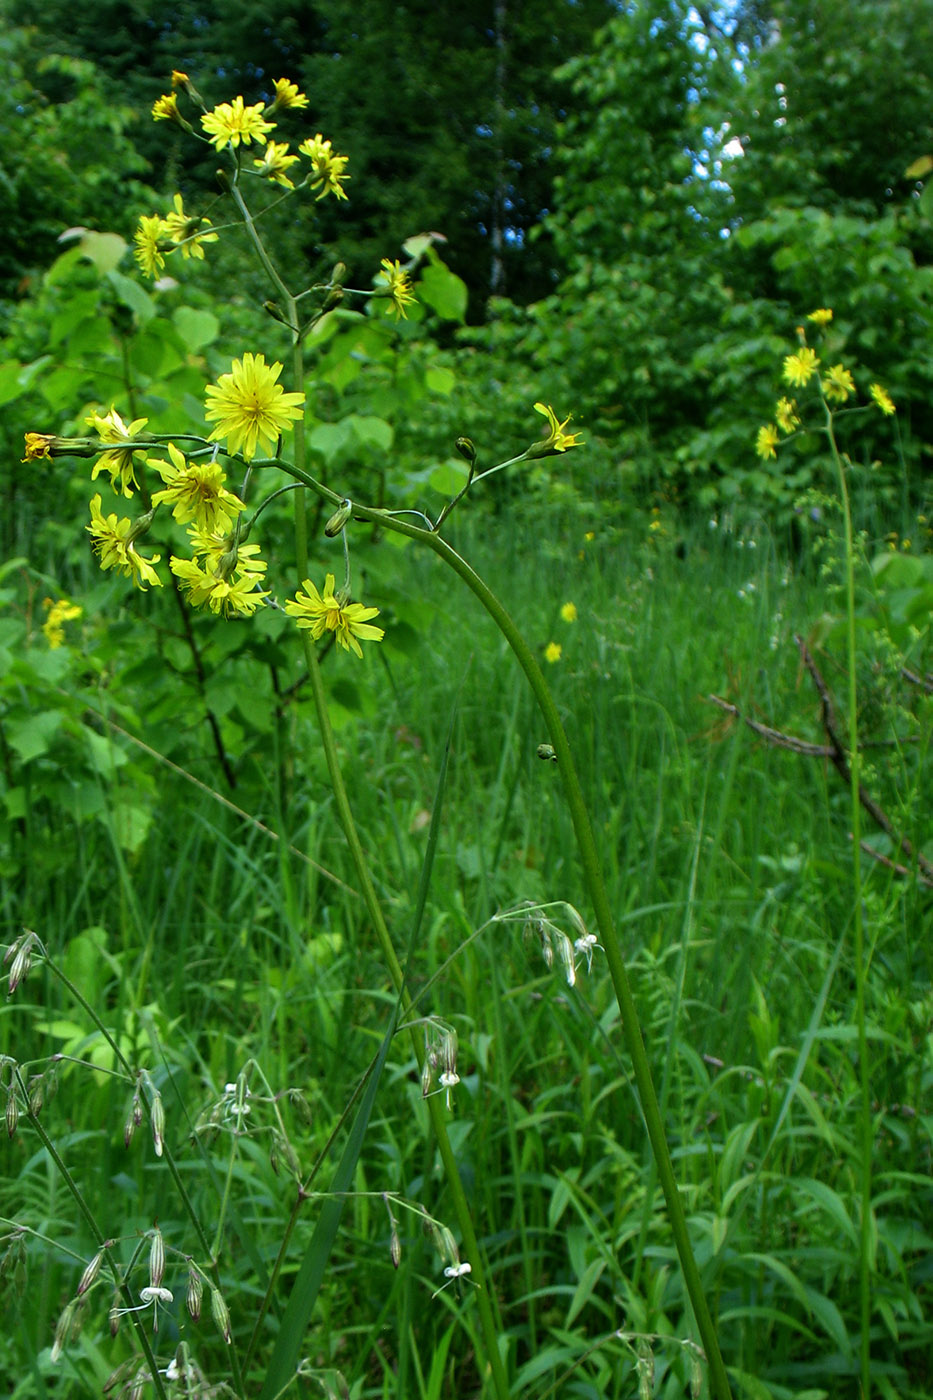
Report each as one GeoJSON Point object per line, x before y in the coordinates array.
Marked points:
{"type": "Point", "coordinates": [250, 412]}
{"type": "Point", "coordinates": [250, 409]}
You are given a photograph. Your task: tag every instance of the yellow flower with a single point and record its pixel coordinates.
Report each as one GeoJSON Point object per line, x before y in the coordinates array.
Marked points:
{"type": "Point", "coordinates": [275, 162]}
{"type": "Point", "coordinates": [287, 95]}
{"type": "Point", "coordinates": [552, 652]}
{"type": "Point", "coordinates": [37, 445]}
{"type": "Point", "coordinates": [58, 613]}
{"type": "Point", "coordinates": [838, 384]}
{"type": "Point", "coordinates": [822, 317]}
{"type": "Point", "coordinates": [225, 579]}
{"type": "Point", "coordinates": [557, 440]}
{"type": "Point", "coordinates": [398, 285]}
{"type": "Point", "coordinates": [800, 368]}
{"type": "Point", "coordinates": [881, 397]}
{"type": "Point", "coordinates": [785, 412]}
{"type": "Point", "coordinates": [182, 229]}
{"type": "Point", "coordinates": [767, 441]}
{"type": "Point", "coordinates": [569, 612]}
{"type": "Point", "coordinates": [118, 462]}
{"type": "Point", "coordinates": [319, 613]}
{"type": "Point", "coordinates": [327, 168]}
{"type": "Point", "coordinates": [249, 407]}
{"type": "Point", "coordinates": [148, 236]}
{"type": "Point", "coordinates": [196, 492]}
{"type": "Point", "coordinates": [113, 542]}
{"type": "Point", "coordinates": [590, 536]}
{"type": "Point", "coordinates": [233, 122]}
{"type": "Point", "coordinates": [165, 108]}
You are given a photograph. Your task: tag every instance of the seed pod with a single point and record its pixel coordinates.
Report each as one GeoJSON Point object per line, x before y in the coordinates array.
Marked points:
{"type": "Point", "coordinates": [12, 1114]}
{"type": "Point", "coordinates": [91, 1271]}
{"type": "Point", "coordinates": [156, 1259]}
{"type": "Point", "coordinates": [221, 1315]}
{"type": "Point", "coordinates": [158, 1123]}
{"type": "Point", "coordinates": [194, 1294]}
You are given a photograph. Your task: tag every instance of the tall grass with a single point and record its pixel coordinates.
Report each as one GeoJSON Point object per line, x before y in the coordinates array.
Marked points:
{"type": "Point", "coordinates": [727, 863]}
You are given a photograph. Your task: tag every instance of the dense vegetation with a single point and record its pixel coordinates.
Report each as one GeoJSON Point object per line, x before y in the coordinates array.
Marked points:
{"type": "Point", "coordinates": [637, 206]}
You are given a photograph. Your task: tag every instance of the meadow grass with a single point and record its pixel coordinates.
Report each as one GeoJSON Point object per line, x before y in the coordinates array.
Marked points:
{"type": "Point", "coordinates": [216, 946]}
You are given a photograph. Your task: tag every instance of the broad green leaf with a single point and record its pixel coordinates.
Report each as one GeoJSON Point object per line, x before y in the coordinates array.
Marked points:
{"type": "Point", "coordinates": [371, 430]}
{"type": "Point", "coordinates": [196, 328]}
{"type": "Point", "coordinates": [329, 439]}
{"type": "Point", "coordinates": [440, 380]}
{"type": "Point", "coordinates": [104, 250]}
{"type": "Point", "coordinates": [131, 294]}
{"type": "Point", "coordinates": [10, 387]}
{"type": "Point", "coordinates": [444, 291]}
{"type": "Point", "coordinates": [32, 735]}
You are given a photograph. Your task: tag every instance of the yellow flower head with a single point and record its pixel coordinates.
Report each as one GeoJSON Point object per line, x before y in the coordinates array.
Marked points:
{"type": "Point", "coordinates": [821, 317]}
{"type": "Point", "coordinates": [275, 162]}
{"type": "Point", "coordinates": [222, 576]}
{"type": "Point", "coordinates": [287, 96]}
{"type": "Point", "coordinates": [766, 441]}
{"type": "Point", "coordinates": [113, 542]}
{"type": "Point", "coordinates": [232, 123]}
{"type": "Point", "coordinates": [148, 236]}
{"type": "Point", "coordinates": [800, 368]}
{"type": "Point", "coordinates": [557, 440]}
{"type": "Point", "coordinates": [320, 613]}
{"type": "Point", "coordinates": [182, 229]}
{"type": "Point", "coordinates": [37, 445]}
{"type": "Point", "coordinates": [58, 613]}
{"type": "Point", "coordinates": [249, 407]}
{"type": "Point", "coordinates": [552, 652]}
{"type": "Point", "coordinates": [327, 168]}
{"type": "Point", "coordinates": [881, 397]}
{"type": "Point", "coordinates": [569, 612]}
{"type": "Point", "coordinates": [838, 384]}
{"type": "Point", "coordinates": [119, 461]}
{"type": "Point", "coordinates": [785, 413]}
{"type": "Point", "coordinates": [398, 286]}
{"type": "Point", "coordinates": [196, 492]}
{"type": "Point", "coordinates": [165, 108]}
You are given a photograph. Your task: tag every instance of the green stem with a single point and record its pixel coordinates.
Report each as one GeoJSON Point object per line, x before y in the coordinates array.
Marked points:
{"type": "Point", "coordinates": [600, 900]}
{"type": "Point", "coordinates": [865, 1115]}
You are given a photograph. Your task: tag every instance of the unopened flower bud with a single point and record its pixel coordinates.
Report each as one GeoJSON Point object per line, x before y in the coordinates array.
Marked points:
{"type": "Point", "coordinates": [156, 1259]}
{"type": "Point", "coordinates": [275, 311]}
{"type": "Point", "coordinates": [220, 1314]}
{"type": "Point", "coordinates": [426, 1077]}
{"type": "Point", "coordinates": [140, 526]}
{"type": "Point", "coordinates": [224, 181]}
{"type": "Point", "coordinates": [338, 520]}
{"type": "Point", "coordinates": [158, 1123]}
{"type": "Point", "coordinates": [547, 752]}
{"type": "Point", "coordinates": [338, 276]}
{"type": "Point", "coordinates": [194, 1294]}
{"type": "Point", "coordinates": [300, 1106]}
{"type": "Point", "coordinates": [90, 1273]}
{"type": "Point", "coordinates": [36, 1091]}
{"type": "Point", "coordinates": [466, 449]}
{"type": "Point", "coordinates": [12, 1114]}
{"type": "Point", "coordinates": [395, 1247]}
{"type": "Point", "coordinates": [63, 1329]}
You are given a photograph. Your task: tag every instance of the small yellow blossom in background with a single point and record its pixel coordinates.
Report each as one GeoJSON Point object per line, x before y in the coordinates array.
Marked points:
{"type": "Point", "coordinates": [113, 542]}
{"type": "Point", "coordinates": [327, 167]}
{"type": "Point", "coordinates": [881, 397]}
{"type": "Point", "coordinates": [800, 368]}
{"type": "Point", "coordinates": [58, 612]}
{"type": "Point", "coordinates": [552, 652]}
{"type": "Point", "coordinates": [196, 491]}
{"type": "Point", "coordinates": [838, 384]}
{"type": "Point", "coordinates": [822, 317]}
{"type": "Point", "coordinates": [275, 161]}
{"type": "Point", "coordinates": [165, 108]}
{"type": "Point", "coordinates": [37, 445]}
{"type": "Point", "coordinates": [766, 441]}
{"type": "Point", "coordinates": [318, 614]}
{"type": "Point", "coordinates": [590, 536]}
{"type": "Point", "coordinates": [231, 123]}
{"type": "Point", "coordinates": [569, 612]}
{"type": "Point", "coordinates": [183, 229]}
{"type": "Point", "coordinates": [785, 412]}
{"type": "Point", "coordinates": [119, 462]}
{"type": "Point", "coordinates": [557, 440]}
{"type": "Point", "coordinates": [287, 96]}
{"type": "Point", "coordinates": [398, 284]}
{"type": "Point", "coordinates": [149, 234]}
{"type": "Point", "coordinates": [249, 407]}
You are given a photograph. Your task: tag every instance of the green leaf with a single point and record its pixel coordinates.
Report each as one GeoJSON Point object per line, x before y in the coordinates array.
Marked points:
{"type": "Point", "coordinates": [131, 294]}
{"type": "Point", "coordinates": [104, 250]}
{"type": "Point", "coordinates": [10, 387]}
{"type": "Point", "coordinates": [444, 291]}
{"type": "Point", "coordinates": [440, 380]}
{"type": "Point", "coordinates": [33, 734]}
{"type": "Point", "coordinates": [196, 328]}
